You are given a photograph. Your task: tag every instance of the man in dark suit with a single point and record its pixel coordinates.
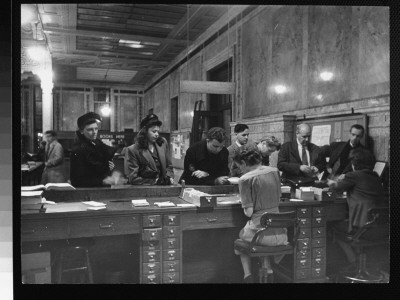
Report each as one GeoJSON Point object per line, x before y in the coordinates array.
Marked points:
{"type": "Point", "coordinates": [242, 137]}
{"type": "Point", "coordinates": [338, 153]}
{"type": "Point", "coordinates": [301, 158]}
{"type": "Point", "coordinates": [206, 162]}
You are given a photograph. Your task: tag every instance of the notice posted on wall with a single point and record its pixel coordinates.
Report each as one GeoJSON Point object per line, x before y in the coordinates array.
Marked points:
{"type": "Point", "coordinates": [321, 134]}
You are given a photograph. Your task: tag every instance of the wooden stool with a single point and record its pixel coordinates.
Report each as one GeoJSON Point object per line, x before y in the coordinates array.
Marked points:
{"type": "Point", "coordinates": [75, 259]}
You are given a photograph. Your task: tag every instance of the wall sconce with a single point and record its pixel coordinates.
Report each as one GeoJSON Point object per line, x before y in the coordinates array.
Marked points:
{"type": "Point", "coordinates": [326, 76]}
{"type": "Point", "coordinates": [280, 89]}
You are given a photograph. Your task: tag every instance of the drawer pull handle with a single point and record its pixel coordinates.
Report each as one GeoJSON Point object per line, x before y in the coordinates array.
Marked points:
{"type": "Point", "coordinates": [105, 226]}
{"type": "Point", "coordinates": [151, 221]}
{"type": "Point", "coordinates": [211, 220]}
{"type": "Point", "coordinates": [153, 234]}
{"type": "Point", "coordinates": [171, 242]}
{"type": "Point", "coordinates": [171, 219]}
{"type": "Point", "coordinates": [171, 231]}
{"type": "Point", "coordinates": [31, 231]}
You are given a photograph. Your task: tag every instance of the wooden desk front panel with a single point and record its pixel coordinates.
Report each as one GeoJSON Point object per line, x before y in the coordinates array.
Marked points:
{"type": "Point", "coordinates": [214, 219]}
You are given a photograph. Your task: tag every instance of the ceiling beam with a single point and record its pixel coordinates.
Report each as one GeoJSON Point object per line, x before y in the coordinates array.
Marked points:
{"type": "Point", "coordinates": [110, 35]}
{"type": "Point", "coordinates": [99, 64]}
{"type": "Point", "coordinates": [233, 11]}
{"type": "Point", "coordinates": [56, 55]}
{"type": "Point", "coordinates": [182, 24]}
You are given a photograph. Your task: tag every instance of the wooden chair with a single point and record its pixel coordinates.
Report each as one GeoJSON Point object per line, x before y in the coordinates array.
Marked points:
{"type": "Point", "coordinates": [378, 219]}
{"type": "Point", "coordinates": [270, 220]}
{"type": "Point", "coordinates": [74, 259]}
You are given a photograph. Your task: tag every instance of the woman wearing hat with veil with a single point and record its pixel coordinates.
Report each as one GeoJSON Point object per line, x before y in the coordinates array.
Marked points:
{"type": "Point", "coordinates": [148, 161]}
{"type": "Point", "coordinates": [91, 159]}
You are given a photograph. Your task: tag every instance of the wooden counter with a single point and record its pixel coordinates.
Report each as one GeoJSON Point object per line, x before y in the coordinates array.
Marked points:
{"type": "Point", "coordinates": [151, 223]}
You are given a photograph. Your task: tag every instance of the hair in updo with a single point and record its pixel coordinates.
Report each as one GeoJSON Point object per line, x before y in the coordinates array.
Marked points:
{"type": "Point", "coordinates": [250, 154]}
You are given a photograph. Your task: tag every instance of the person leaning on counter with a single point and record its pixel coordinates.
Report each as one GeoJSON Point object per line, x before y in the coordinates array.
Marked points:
{"type": "Point", "coordinates": [148, 160]}
{"type": "Point", "coordinates": [206, 162]}
{"type": "Point", "coordinates": [91, 159]}
{"type": "Point", "coordinates": [301, 158]}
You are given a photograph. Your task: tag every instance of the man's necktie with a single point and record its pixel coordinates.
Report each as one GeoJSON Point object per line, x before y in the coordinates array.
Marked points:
{"type": "Point", "coordinates": [304, 156]}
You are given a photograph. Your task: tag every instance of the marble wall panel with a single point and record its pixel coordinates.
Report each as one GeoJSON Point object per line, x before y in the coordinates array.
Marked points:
{"type": "Point", "coordinates": [374, 50]}
{"type": "Point", "coordinates": [329, 45]}
{"type": "Point", "coordinates": [256, 38]}
{"type": "Point", "coordinates": [221, 43]}
{"type": "Point", "coordinates": [286, 62]}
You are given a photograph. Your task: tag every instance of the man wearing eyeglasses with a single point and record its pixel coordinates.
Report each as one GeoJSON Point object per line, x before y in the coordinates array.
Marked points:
{"type": "Point", "coordinates": [301, 158]}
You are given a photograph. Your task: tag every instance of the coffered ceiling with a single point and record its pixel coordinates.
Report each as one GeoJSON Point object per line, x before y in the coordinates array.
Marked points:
{"type": "Point", "coordinates": [116, 43]}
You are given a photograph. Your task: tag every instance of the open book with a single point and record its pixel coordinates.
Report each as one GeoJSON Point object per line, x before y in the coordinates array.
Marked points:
{"type": "Point", "coordinates": [49, 186]}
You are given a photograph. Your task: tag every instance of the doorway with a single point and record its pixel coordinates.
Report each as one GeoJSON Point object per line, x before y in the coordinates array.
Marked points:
{"type": "Point", "coordinates": [221, 102]}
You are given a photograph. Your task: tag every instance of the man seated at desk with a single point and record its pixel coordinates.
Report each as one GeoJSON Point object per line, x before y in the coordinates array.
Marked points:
{"type": "Point", "coordinates": [301, 159]}
{"type": "Point", "coordinates": [338, 153]}
{"type": "Point", "coordinates": [206, 162]}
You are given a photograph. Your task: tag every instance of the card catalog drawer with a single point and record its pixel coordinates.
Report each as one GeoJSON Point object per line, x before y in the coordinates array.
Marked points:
{"type": "Point", "coordinates": [318, 211]}
{"type": "Point", "coordinates": [152, 268]}
{"type": "Point", "coordinates": [151, 221]}
{"type": "Point", "coordinates": [152, 278]}
{"type": "Point", "coordinates": [319, 221]}
{"type": "Point", "coordinates": [317, 272]}
{"type": "Point", "coordinates": [171, 255]}
{"type": "Point", "coordinates": [151, 234]}
{"type": "Point", "coordinates": [151, 245]}
{"type": "Point", "coordinates": [319, 252]}
{"type": "Point", "coordinates": [304, 253]}
{"type": "Point", "coordinates": [318, 242]}
{"type": "Point", "coordinates": [171, 266]}
{"type": "Point", "coordinates": [319, 232]}
{"type": "Point", "coordinates": [303, 243]}
{"type": "Point", "coordinates": [171, 220]}
{"type": "Point", "coordinates": [303, 274]}
{"type": "Point", "coordinates": [172, 277]}
{"type": "Point", "coordinates": [170, 231]}
{"type": "Point", "coordinates": [304, 222]}
{"type": "Point", "coordinates": [318, 262]}
{"type": "Point", "coordinates": [151, 256]}
{"type": "Point", "coordinates": [171, 243]}
{"type": "Point", "coordinates": [304, 212]}
{"type": "Point", "coordinates": [303, 263]}
{"type": "Point", "coordinates": [103, 226]}
{"type": "Point", "coordinates": [43, 230]}
{"type": "Point", "coordinates": [304, 232]}
{"type": "Point", "coordinates": [215, 219]}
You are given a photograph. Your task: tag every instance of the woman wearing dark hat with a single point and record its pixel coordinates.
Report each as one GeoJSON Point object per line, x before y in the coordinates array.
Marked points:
{"type": "Point", "coordinates": [148, 160]}
{"type": "Point", "coordinates": [91, 159]}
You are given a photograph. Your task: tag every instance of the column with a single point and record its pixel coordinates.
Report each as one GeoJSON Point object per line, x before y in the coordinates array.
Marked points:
{"type": "Point", "coordinates": [47, 103]}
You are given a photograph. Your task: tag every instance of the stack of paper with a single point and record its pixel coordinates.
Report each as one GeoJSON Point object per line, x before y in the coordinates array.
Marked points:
{"type": "Point", "coordinates": [164, 204]}
{"type": "Point", "coordinates": [185, 205]}
{"type": "Point", "coordinates": [93, 205]}
{"type": "Point", "coordinates": [140, 202]}
{"type": "Point", "coordinates": [31, 197]}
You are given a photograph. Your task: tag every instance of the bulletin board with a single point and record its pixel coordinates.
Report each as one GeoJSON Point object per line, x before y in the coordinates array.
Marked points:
{"type": "Point", "coordinates": [326, 130]}
{"type": "Point", "coordinates": [178, 145]}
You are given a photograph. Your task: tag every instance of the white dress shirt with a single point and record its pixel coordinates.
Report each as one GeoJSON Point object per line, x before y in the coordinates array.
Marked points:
{"type": "Point", "coordinates": [300, 149]}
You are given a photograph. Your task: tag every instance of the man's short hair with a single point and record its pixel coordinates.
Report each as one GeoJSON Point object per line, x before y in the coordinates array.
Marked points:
{"type": "Point", "coordinates": [362, 159]}
{"type": "Point", "coordinates": [358, 127]}
{"type": "Point", "coordinates": [240, 128]}
{"type": "Point", "coordinates": [216, 133]}
{"type": "Point", "coordinates": [271, 141]}
{"type": "Point", "coordinates": [51, 132]}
